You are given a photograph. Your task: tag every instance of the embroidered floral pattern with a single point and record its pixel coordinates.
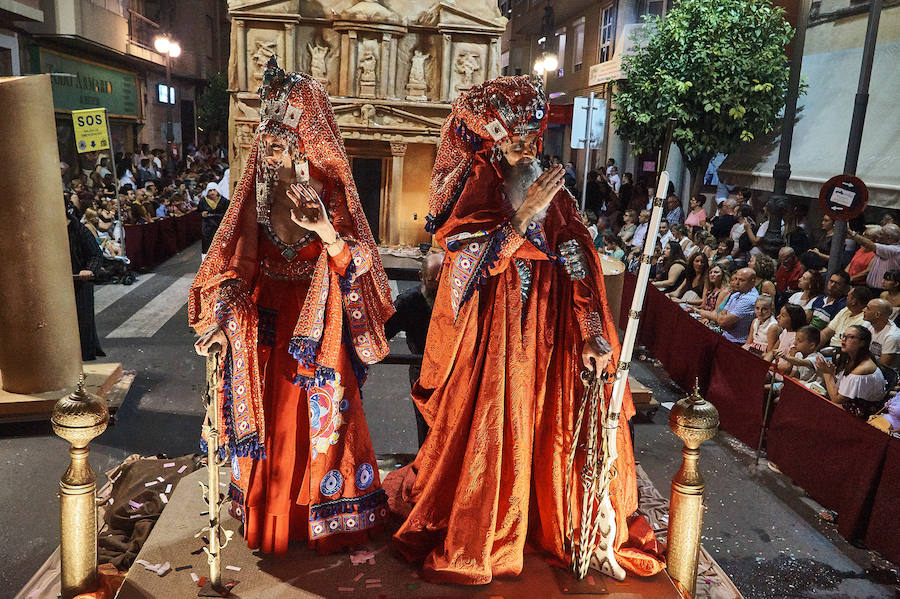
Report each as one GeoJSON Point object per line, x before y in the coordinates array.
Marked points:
{"type": "Point", "coordinates": [347, 514]}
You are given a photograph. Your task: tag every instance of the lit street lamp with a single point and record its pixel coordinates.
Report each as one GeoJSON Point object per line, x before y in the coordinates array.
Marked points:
{"type": "Point", "coordinates": [170, 49]}
{"type": "Point", "coordinates": [545, 64]}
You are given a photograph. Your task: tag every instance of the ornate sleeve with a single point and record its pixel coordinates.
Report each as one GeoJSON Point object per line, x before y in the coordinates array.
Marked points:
{"type": "Point", "coordinates": [588, 310]}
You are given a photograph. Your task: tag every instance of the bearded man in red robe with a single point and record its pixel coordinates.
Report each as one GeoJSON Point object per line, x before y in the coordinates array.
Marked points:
{"type": "Point", "coordinates": [520, 312]}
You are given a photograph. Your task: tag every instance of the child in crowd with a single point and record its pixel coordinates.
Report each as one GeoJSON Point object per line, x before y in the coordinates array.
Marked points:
{"type": "Point", "coordinates": [790, 318]}
{"type": "Point", "coordinates": [802, 358]}
{"type": "Point", "coordinates": [764, 330]}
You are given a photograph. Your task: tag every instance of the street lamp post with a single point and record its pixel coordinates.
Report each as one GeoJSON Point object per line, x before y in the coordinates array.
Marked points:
{"type": "Point", "coordinates": [170, 49]}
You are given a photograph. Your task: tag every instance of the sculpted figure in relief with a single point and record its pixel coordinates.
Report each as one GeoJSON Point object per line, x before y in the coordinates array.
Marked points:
{"type": "Point", "coordinates": [317, 56]}
{"type": "Point", "coordinates": [265, 49]}
{"type": "Point", "coordinates": [417, 68]}
{"type": "Point", "coordinates": [367, 62]}
{"type": "Point", "coordinates": [466, 65]}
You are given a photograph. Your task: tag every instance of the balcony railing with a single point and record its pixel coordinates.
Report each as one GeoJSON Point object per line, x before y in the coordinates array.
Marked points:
{"type": "Point", "coordinates": [141, 30]}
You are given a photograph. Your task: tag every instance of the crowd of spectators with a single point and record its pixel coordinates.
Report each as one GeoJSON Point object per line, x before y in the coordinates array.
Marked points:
{"type": "Point", "coordinates": [838, 335]}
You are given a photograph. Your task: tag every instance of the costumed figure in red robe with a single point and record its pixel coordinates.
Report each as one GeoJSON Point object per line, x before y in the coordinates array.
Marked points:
{"type": "Point", "coordinates": [521, 311]}
{"type": "Point", "coordinates": [294, 291]}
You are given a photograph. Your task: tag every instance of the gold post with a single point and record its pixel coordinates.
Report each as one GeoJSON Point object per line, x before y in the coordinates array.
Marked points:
{"type": "Point", "coordinates": [694, 420]}
{"type": "Point", "coordinates": [78, 418]}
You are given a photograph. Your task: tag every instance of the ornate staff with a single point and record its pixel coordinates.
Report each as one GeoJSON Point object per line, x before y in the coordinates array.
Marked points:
{"type": "Point", "coordinates": [214, 499]}
{"type": "Point", "coordinates": [594, 544]}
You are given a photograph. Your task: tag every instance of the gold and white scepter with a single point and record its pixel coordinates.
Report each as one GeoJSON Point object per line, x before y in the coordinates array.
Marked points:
{"type": "Point", "coordinates": [597, 534]}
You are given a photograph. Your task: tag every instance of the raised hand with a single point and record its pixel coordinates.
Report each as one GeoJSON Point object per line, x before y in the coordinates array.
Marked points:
{"type": "Point", "coordinates": [309, 212]}
{"type": "Point", "coordinates": [539, 196]}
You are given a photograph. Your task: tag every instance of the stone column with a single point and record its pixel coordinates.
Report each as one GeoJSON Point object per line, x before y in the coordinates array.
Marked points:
{"type": "Point", "coordinates": [398, 152]}
{"type": "Point", "coordinates": [344, 80]}
{"type": "Point", "coordinates": [446, 49]}
{"type": "Point", "coordinates": [290, 47]}
{"type": "Point", "coordinates": [493, 65]}
{"type": "Point", "coordinates": [353, 65]}
{"type": "Point", "coordinates": [392, 83]}
{"type": "Point", "coordinates": [385, 66]}
{"type": "Point", "coordinates": [39, 346]}
{"type": "Point", "coordinates": [241, 54]}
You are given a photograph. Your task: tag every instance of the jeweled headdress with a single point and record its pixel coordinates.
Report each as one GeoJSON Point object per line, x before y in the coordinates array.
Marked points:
{"type": "Point", "coordinates": [480, 119]}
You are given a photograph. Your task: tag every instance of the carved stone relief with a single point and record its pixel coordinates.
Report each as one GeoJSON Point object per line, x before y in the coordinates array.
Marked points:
{"type": "Point", "coordinates": [467, 66]}
{"type": "Point", "coordinates": [416, 85]}
{"type": "Point", "coordinates": [368, 62]}
{"type": "Point", "coordinates": [317, 66]}
{"type": "Point", "coordinates": [259, 53]}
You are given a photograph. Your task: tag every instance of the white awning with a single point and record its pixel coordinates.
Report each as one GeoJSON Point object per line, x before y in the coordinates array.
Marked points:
{"type": "Point", "coordinates": [822, 130]}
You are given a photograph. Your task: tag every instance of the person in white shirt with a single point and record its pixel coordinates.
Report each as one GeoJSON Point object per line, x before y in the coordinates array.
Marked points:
{"type": "Point", "coordinates": [614, 180]}
{"type": "Point", "coordinates": [854, 380]}
{"type": "Point", "coordinates": [610, 165]}
{"type": "Point", "coordinates": [764, 330]}
{"type": "Point", "coordinates": [885, 345]}
{"type": "Point", "coordinates": [887, 253]}
{"type": "Point", "coordinates": [665, 235]}
{"type": "Point", "coordinates": [637, 241]}
{"type": "Point", "coordinates": [802, 357]}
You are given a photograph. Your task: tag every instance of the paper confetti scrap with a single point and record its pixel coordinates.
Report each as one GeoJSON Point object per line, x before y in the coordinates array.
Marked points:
{"type": "Point", "coordinates": [169, 488]}
{"type": "Point", "coordinates": [194, 576]}
{"type": "Point", "coordinates": [345, 589]}
{"type": "Point", "coordinates": [169, 465]}
{"type": "Point", "coordinates": [160, 569]}
{"type": "Point", "coordinates": [182, 469]}
{"type": "Point", "coordinates": [151, 483]}
{"type": "Point", "coordinates": [160, 479]}
{"type": "Point", "coordinates": [134, 504]}
{"type": "Point", "coordinates": [372, 580]}
{"type": "Point", "coordinates": [362, 557]}
{"type": "Point", "coordinates": [180, 568]}
{"type": "Point", "coordinates": [163, 498]}
{"type": "Point", "coordinates": [233, 568]}
{"type": "Point", "coordinates": [201, 582]}
{"type": "Point", "coordinates": [358, 576]}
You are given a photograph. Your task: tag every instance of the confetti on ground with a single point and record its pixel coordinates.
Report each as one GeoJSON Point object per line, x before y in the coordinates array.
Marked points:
{"type": "Point", "coordinates": [201, 582]}
{"type": "Point", "coordinates": [182, 469]}
{"type": "Point", "coordinates": [358, 576]}
{"type": "Point", "coordinates": [372, 580]}
{"type": "Point", "coordinates": [194, 577]}
{"type": "Point", "coordinates": [375, 585]}
{"type": "Point", "coordinates": [590, 579]}
{"type": "Point", "coordinates": [133, 516]}
{"type": "Point", "coordinates": [197, 552]}
{"type": "Point", "coordinates": [169, 488]}
{"type": "Point", "coordinates": [362, 557]}
{"type": "Point", "coordinates": [151, 483]}
{"type": "Point", "coordinates": [160, 569]}
{"type": "Point", "coordinates": [206, 513]}
{"type": "Point", "coordinates": [233, 568]}
{"type": "Point", "coordinates": [134, 504]}
{"type": "Point", "coordinates": [180, 568]}
{"type": "Point", "coordinates": [345, 589]}
{"type": "Point", "coordinates": [169, 465]}
{"type": "Point", "coordinates": [163, 498]}
{"type": "Point", "coordinates": [160, 479]}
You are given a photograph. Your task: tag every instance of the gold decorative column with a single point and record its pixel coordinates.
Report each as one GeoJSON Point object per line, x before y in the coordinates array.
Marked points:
{"type": "Point", "coordinates": [693, 420]}
{"type": "Point", "coordinates": [78, 418]}
{"type": "Point", "coordinates": [39, 346]}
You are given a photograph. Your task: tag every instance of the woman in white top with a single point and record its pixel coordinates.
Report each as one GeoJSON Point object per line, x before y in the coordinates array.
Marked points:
{"type": "Point", "coordinates": [854, 380]}
{"type": "Point", "coordinates": [764, 331]}
{"type": "Point", "coordinates": [811, 285]}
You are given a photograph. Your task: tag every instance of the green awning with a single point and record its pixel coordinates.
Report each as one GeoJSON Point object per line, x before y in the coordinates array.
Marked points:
{"type": "Point", "coordinates": [823, 128]}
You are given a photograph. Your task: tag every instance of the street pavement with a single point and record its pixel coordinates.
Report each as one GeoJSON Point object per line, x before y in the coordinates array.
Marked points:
{"type": "Point", "coordinates": [758, 526]}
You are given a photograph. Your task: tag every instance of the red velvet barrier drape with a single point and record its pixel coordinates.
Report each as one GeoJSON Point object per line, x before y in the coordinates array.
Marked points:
{"type": "Point", "coordinates": [836, 457]}
{"type": "Point", "coordinates": [884, 524]}
{"type": "Point", "coordinates": [149, 244]}
{"type": "Point", "coordinates": [736, 389]}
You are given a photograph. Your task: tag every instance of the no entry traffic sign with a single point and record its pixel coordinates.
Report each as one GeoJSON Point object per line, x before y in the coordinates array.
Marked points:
{"type": "Point", "coordinates": [844, 197]}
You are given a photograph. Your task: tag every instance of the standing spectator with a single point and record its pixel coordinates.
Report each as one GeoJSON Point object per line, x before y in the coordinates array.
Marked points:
{"type": "Point", "coordinates": [854, 380]}
{"type": "Point", "coordinates": [861, 262]}
{"type": "Point", "coordinates": [610, 165]}
{"type": "Point", "coordinates": [413, 316]}
{"type": "Point", "coordinates": [696, 215]}
{"type": "Point", "coordinates": [674, 213]}
{"type": "Point", "coordinates": [725, 220]}
{"type": "Point", "coordinates": [851, 315]}
{"type": "Point", "coordinates": [887, 254]}
{"type": "Point", "coordinates": [87, 260]}
{"type": "Point", "coordinates": [891, 293]}
{"type": "Point", "coordinates": [885, 344]}
{"type": "Point", "coordinates": [737, 315]}
{"type": "Point", "coordinates": [595, 193]}
{"type": "Point", "coordinates": [817, 257]}
{"type": "Point", "coordinates": [144, 172]}
{"type": "Point", "coordinates": [570, 178]}
{"type": "Point", "coordinates": [790, 269]}
{"type": "Point", "coordinates": [764, 330]}
{"type": "Point", "coordinates": [626, 189]}
{"type": "Point", "coordinates": [212, 208]}
{"type": "Point", "coordinates": [614, 181]}
{"type": "Point", "coordinates": [811, 285]}
{"type": "Point", "coordinates": [835, 299]}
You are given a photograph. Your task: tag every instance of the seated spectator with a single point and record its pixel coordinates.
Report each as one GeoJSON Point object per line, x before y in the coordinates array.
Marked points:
{"type": "Point", "coordinates": [891, 293]}
{"type": "Point", "coordinates": [886, 250]}
{"type": "Point", "coordinates": [613, 246]}
{"type": "Point", "coordinates": [674, 213]}
{"type": "Point", "coordinates": [626, 233]}
{"type": "Point", "coordinates": [885, 345]}
{"type": "Point", "coordinates": [144, 172]}
{"type": "Point", "coordinates": [163, 210]}
{"type": "Point", "coordinates": [764, 330]}
{"type": "Point", "coordinates": [825, 307]}
{"type": "Point", "coordinates": [811, 284]}
{"type": "Point", "coordinates": [801, 359]}
{"type": "Point", "coordinates": [696, 214]}
{"type": "Point", "coordinates": [723, 251]}
{"type": "Point", "coordinates": [665, 234]}
{"type": "Point", "coordinates": [764, 267]}
{"type": "Point", "coordinates": [693, 287]}
{"type": "Point", "coordinates": [791, 319]}
{"type": "Point", "coordinates": [602, 227]}
{"type": "Point", "coordinates": [790, 269]}
{"type": "Point", "coordinates": [704, 241]}
{"type": "Point", "coordinates": [718, 288]}
{"type": "Point", "coordinates": [854, 380]}
{"type": "Point", "coordinates": [737, 315]}
{"type": "Point", "coordinates": [745, 222]}
{"type": "Point", "coordinates": [861, 262]}
{"type": "Point", "coordinates": [680, 234]}
{"type": "Point", "coordinates": [850, 315]}
{"type": "Point", "coordinates": [672, 268]}
{"type": "Point", "coordinates": [640, 232]}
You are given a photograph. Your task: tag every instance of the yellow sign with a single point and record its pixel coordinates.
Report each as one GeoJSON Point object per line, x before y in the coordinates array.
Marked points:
{"type": "Point", "coordinates": [91, 133]}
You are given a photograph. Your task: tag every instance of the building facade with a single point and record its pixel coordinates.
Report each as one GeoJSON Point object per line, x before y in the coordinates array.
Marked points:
{"type": "Point", "coordinates": [392, 68]}
{"type": "Point", "coordinates": [100, 53]}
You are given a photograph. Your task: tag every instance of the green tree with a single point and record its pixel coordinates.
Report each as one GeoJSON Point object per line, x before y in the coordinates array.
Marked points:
{"type": "Point", "coordinates": [717, 67]}
{"type": "Point", "coordinates": [212, 107]}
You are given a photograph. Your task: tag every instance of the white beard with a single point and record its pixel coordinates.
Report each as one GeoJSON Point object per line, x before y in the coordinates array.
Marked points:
{"type": "Point", "coordinates": [516, 181]}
